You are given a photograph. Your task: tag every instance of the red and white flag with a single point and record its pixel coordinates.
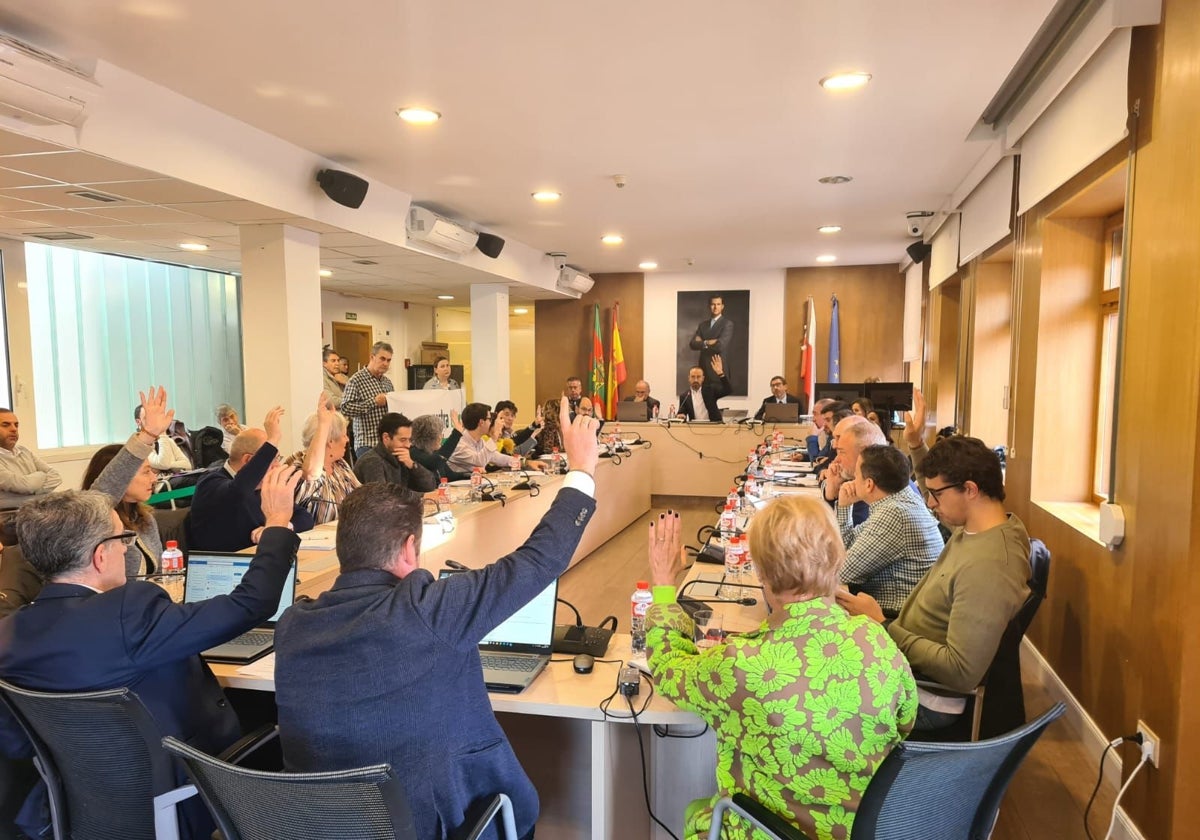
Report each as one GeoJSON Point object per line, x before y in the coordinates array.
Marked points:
{"type": "Point", "coordinates": [808, 352]}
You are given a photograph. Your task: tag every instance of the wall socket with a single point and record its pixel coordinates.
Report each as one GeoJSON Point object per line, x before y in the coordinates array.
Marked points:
{"type": "Point", "coordinates": [1150, 743]}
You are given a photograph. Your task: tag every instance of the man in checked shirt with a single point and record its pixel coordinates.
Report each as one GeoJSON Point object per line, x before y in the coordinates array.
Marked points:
{"type": "Point", "coordinates": [365, 399]}
{"type": "Point", "coordinates": [889, 553]}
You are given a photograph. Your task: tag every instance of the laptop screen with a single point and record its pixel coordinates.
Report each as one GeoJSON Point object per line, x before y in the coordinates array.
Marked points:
{"type": "Point", "coordinates": [210, 575]}
{"type": "Point", "coordinates": [528, 630]}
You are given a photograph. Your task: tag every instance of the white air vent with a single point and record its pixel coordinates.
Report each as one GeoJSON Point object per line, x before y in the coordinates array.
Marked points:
{"type": "Point", "coordinates": [427, 226]}
{"type": "Point", "coordinates": [42, 89]}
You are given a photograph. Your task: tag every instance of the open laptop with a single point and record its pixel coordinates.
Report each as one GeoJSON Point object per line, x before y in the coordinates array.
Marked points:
{"type": "Point", "coordinates": [516, 652]}
{"type": "Point", "coordinates": [210, 574]}
{"type": "Point", "coordinates": [633, 412]}
{"type": "Point", "coordinates": [781, 412]}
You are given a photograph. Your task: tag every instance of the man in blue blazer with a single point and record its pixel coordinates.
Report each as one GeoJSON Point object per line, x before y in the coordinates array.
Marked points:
{"type": "Point", "coordinates": [398, 651]}
{"type": "Point", "coordinates": [90, 630]}
{"type": "Point", "coordinates": [225, 514]}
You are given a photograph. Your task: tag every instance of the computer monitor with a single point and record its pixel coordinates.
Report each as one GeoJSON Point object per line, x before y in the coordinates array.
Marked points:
{"type": "Point", "coordinates": [890, 396]}
{"type": "Point", "coordinates": [846, 392]}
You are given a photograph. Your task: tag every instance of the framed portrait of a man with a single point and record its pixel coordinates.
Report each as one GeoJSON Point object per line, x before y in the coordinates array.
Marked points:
{"type": "Point", "coordinates": [712, 326]}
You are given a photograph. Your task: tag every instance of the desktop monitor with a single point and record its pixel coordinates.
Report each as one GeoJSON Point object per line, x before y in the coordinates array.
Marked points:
{"type": "Point", "coordinates": [890, 396]}
{"type": "Point", "coordinates": [846, 392]}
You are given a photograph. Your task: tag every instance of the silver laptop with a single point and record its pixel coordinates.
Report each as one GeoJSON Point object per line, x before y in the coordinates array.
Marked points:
{"type": "Point", "coordinates": [210, 574]}
{"type": "Point", "coordinates": [733, 415]}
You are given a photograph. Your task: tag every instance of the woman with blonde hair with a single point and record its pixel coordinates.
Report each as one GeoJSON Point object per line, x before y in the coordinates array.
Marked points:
{"type": "Point", "coordinates": [327, 478]}
{"type": "Point", "coordinates": [806, 706]}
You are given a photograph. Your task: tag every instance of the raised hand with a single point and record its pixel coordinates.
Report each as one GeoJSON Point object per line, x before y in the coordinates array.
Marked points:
{"type": "Point", "coordinates": [156, 417]}
{"type": "Point", "coordinates": [718, 366]}
{"type": "Point", "coordinates": [272, 425]}
{"type": "Point", "coordinates": [914, 421]}
{"type": "Point", "coordinates": [325, 411]}
{"type": "Point", "coordinates": [278, 494]}
{"type": "Point", "coordinates": [579, 439]}
{"type": "Point", "coordinates": [666, 553]}
{"type": "Point", "coordinates": [456, 422]}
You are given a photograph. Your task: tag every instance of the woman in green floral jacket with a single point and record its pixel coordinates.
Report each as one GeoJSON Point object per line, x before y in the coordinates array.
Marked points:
{"type": "Point", "coordinates": [807, 706]}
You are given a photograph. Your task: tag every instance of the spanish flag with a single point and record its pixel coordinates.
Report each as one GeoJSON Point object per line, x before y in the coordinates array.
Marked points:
{"type": "Point", "coordinates": [616, 367]}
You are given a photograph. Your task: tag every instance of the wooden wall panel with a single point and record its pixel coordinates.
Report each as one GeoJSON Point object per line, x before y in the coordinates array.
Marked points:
{"type": "Point", "coordinates": [870, 315]}
{"type": "Point", "coordinates": [563, 333]}
{"type": "Point", "coordinates": [991, 346]}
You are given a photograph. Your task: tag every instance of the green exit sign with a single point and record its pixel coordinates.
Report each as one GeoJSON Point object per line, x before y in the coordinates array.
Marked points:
{"type": "Point", "coordinates": [351, 316]}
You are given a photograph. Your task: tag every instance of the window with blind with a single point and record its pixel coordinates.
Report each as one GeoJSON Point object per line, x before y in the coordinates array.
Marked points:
{"type": "Point", "coordinates": [104, 327]}
{"type": "Point", "coordinates": [1110, 301]}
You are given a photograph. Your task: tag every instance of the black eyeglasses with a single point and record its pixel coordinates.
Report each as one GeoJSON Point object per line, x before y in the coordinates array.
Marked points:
{"type": "Point", "coordinates": [936, 494]}
{"type": "Point", "coordinates": [126, 538]}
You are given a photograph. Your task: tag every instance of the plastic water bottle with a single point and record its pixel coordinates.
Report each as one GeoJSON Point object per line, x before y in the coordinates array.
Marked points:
{"type": "Point", "coordinates": [750, 487]}
{"type": "Point", "coordinates": [617, 442]}
{"type": "Point", "coordinates": [638, 604]}
{"type": "Point", "coordinates": [556, 461]}
{"type": "Point", "coordinates": [732, 498]}
{"type": "Point", "coordinates": [750, 459]}
{"type": "Point", "coordinates": [732, 570]}
{"type": "Point", "coordinates": [443, 495]}
{"type": "Point", "coordinates": [172, 559]}
{"type": "Point", "coordinates": [777, 440]}
{"type": "Point", "coordinates": [477, 484]}
{"type": "Point", "coordinates": [768, 469]}
{"type": "Point", "coordinates": [728, 521]}
{"type": "Point", "coordinates": [671, 412]}
{"type": "Point", "coordinates": [654, 413]}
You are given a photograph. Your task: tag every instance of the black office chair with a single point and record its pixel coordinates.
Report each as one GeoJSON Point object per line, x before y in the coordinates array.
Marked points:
{"type": "Point", "coordinates": [105, 771]}
{"type": "Point", "coordinates": [367, 803]}
{"type": "Point", "coordinates": [920, 790]}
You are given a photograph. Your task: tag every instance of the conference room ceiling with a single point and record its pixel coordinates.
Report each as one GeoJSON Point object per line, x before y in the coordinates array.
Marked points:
{"type": "Point", "coordinates": [711, 110]}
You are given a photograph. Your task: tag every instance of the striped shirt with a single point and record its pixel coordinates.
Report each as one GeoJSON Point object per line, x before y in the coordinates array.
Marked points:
{"type": "Point", "coordinates": [358, 403]}
{"type": "Point", "coordinates": [889, 553]}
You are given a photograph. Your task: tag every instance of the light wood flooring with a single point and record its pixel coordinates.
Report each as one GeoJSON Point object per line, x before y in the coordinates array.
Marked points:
{"type": "Point", "coordinates": [1048, 794]}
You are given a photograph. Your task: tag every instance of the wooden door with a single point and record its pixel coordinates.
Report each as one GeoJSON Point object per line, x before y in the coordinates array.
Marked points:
{"type": "Point", "coordinates": [353, 343]}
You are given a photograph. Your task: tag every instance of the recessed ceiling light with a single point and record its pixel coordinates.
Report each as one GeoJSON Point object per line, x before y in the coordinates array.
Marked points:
{"type": "Point", "coordinates": [835, 179]}
{"type": "Point", "coordinates": [418, 116]}
{"type": "Point", "coordinates": [612, 239]}
{"type": "Point", "coordinates": [193, 246]}
{"type": "Point", "coordinates": [826, 258]}
{"type": "Point", "coordinates": [649, 265]}
{"type": "Point", "coordinates": [520, 310]}
{"type": "Point", "coordinates": [546, 196]}
{"type": "Point", "coordinates": [445, 297]}
{"type": "Point", "coordinates": [845, 81]}
{"type": "Point", "coordinates": [325, 272]}
{"type": "Point", "coordinates": [829, 229]}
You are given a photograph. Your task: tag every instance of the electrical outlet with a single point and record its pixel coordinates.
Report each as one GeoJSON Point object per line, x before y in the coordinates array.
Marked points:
{"type": "Point", "coordinates": [1149, 743]}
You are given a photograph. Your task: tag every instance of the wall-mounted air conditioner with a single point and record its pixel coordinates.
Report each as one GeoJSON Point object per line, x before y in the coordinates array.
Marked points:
{"type": "Point", "coordinates": [42, 89]}
{"type": "Point", "coordinates": [574, 283]}
{"type": "Point", "coordinates": [432, 229]}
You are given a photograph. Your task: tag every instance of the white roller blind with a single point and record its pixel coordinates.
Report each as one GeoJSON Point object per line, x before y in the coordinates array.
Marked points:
{"type": "Point", "coordinates": [986, 212]}
{"type": "Point", "coordinates": [1086, 120]}
{"type": "Point", "coordinates": [912, 313]}
{"type": "Point", "coordinates": [943, 261]}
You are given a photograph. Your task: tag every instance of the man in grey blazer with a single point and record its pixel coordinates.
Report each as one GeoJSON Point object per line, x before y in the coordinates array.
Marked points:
{"type": "Point", "coordinates": [397, 652]}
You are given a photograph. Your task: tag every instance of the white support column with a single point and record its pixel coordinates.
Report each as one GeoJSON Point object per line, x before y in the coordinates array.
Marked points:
{"type": "Point", "coordinates": [489, 343]}
{"type": "Point", "coordinates": [281, 325]}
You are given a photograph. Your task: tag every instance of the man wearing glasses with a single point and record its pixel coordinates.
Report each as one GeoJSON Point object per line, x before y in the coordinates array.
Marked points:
{"type": "Point", "coordinates": [90, 630]}
{"type": "Point", "coordinates": [950, 626]}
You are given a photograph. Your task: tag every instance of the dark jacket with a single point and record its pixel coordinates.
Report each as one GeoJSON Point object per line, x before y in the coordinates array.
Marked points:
{"type": "Point", "coordinates": [722, 334]}
{"type": "Point", "coordinates": [379, 465]}
{"type": "Point", "coordinates": [438, 463]}
{"type": "Point", "coordinates": [801, 400]}
{"type": "Point", "coordinates": [711, 395]}
{"type": "Point", "coordinates": [226, 508]}
{"type": "Point", "coordinates": [402, 655]}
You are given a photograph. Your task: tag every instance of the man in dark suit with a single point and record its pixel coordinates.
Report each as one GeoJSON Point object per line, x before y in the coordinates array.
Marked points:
{"type": "Point", "coordinates": [641, 393]}
{"type": "Point", "coordinates": [399, 649]}
{"type": "Point", "coordinates": [700, 401]}
{"type": "Point", "coordinates": [780, 395]}
{"type": "Point", "coordinates": [226, 514]}
{"type": "Point", "coordinates": [713, 336]}
{"type": "Point", "coordinates": [90, 630]}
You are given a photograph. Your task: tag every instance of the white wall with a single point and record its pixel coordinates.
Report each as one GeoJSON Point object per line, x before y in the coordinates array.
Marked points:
{"type": "Point", "coordinates": [766, 324]}
{"type": "Point", "coordinates": [403, 328]}
{"type": "Point", "coordinates": [453, 326]}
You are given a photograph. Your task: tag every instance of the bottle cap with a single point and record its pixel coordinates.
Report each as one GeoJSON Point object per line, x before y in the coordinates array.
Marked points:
{"type": "Point", "coordinates": [642, 584]}
{"type": "Point", "coordinates": [172, 544]}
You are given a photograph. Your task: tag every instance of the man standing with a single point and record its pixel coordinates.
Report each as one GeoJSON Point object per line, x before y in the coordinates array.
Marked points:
{"type": "Point", "coordinates": [226, 514]}
{"type": "Point", "coordinates": [887, 555]}
{"type": "Point", "coordinates": [780, 395]}
{"type": "Point", "coordinates": [471, 451]}
{"type": "Point", "coordinates": [390, 461]}
{"type": "Point", "coordinates": [89, 629]}
{"type": "Point", "coordinates": [699, 402]}
{"type": "Point", "coordinates": [713, 337]}
{"type": "Point", "coordinates": [951, 625]}
{"type": "Point", "coordinates": [22, 473]}
{"type": "Point", "coordinates": [400, 649]}
{"type": "Point", "coordinates": [641, 393]}
{"type": "Point", "coordinates": [331, 364]}
{"type": "Point", "coordinates": [365, 399]}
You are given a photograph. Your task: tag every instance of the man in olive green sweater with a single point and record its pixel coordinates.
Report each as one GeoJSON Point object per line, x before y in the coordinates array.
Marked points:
{"type": "Point", "coordinates": [951, 624]}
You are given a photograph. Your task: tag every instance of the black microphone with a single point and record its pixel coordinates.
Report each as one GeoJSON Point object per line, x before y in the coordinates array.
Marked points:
{"type": "Point", "coordinates": [578, 617]}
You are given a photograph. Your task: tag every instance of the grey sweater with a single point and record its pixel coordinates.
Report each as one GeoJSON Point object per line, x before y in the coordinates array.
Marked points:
{"type": "Point", "coordinates": [142, 557]}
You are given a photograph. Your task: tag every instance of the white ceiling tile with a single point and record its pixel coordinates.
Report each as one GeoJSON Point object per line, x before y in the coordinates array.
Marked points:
{"type": "Point", "coordinates": [234, 211]}
{"type": "Point", "coordinates": [63, 196]}
{"type": "Point", "coordinates": [64, 218]}
{"type": "Point", "coordinates": [76, 168]}
{"type": "Point", "coordinates": [164, 191]}
{"type": "Point", "coordinates": [12, 178]}
{"type": "Point", "coordinates": [149, 214]}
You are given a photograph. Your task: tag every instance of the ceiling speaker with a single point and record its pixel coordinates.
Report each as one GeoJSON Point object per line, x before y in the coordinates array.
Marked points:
{"type": "Point", "coordinates": [919, 251]}
{"type": "Point", "coordinates": [346, 189]}
{"type": "Point", "coordinates": [490, 244]}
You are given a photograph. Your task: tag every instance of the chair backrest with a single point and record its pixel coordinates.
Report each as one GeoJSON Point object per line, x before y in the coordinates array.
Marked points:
{"type": "Point", "coordinates": [101, 758]}
{"type": "Point", "coordinates": [1039, 581]}
{"type": "Point", "coordinates": [944, 790]}
{"type": "Point", "coordinates": [207, 444]}
{"type": "Point", "coordinates": [366, 803]}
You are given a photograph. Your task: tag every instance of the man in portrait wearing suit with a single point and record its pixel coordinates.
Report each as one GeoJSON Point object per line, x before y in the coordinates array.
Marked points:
{"type": "Point", "coordinates": [699, 402]}
{"type": "Point", "coordinates": [713, 336]}
{"type": "Point", "coordinates": [90, 630]}
{"type": "Point", "coordinates": [400, 649]}
{"type": "Point", "coordinates": [779, 394]}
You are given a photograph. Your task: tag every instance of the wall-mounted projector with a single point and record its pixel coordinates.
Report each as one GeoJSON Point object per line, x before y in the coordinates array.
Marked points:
{"type": "Point", "coordinates": [574, 283]}
{"type": "Point", "coordinates": [432, 229]}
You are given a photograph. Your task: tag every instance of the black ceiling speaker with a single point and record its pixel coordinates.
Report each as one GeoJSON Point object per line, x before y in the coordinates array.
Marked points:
{"type": "Point", "coordinates": [919, 251]}
{"type": "Point", "coordinates": [490, 244]}
{"type": "Point", "coordinates": [346, 189]}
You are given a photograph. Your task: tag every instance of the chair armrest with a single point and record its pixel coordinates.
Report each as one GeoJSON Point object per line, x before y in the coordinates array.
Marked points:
{"type": "Point", "coordinates": [767, 819]}
{"type": "Point", "coordinates": [240, 750]}
{"type": "Point", "coordinates": [499, 804]}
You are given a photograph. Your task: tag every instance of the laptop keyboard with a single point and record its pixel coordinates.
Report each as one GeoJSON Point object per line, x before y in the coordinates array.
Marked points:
{"type": "Point", "coordinates": [252, 639]}
{"type": "Point", "coordinates": [500, 662]}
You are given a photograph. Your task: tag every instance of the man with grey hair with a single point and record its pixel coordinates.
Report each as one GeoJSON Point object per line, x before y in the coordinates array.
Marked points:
{"type": "Point", "coordinates": [331, 365]}
{"type": "Point", "coordinates": [850, 437]}
{"type": "Point", "coordinates": [90, 630]}
{"type": "Point", "coordinates": [365, 399]}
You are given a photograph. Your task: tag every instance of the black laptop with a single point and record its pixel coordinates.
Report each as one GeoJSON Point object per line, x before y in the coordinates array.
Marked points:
{"type": "Point", "coordinates": [210, 574]}
{"type": "Point", "coordinates": [781, 412]}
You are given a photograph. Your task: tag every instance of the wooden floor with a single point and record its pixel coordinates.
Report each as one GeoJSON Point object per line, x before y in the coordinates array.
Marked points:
{"type": "Point", "coordinates": [1048, 794]}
